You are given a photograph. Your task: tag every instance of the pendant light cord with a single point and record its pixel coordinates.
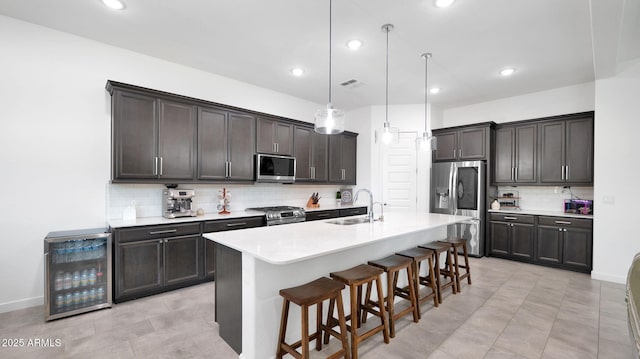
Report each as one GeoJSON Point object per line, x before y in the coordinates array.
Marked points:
{"type": "Point", "coordinates": [330, 12]}
{"type": "Point", "coordinates": [426, 56]}
{"type": "Point", "coordinates": [386, 115]}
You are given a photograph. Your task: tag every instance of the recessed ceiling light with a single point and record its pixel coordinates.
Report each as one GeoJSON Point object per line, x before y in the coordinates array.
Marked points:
{"type": "Point", "coordinates": [297, 72]}
{"type": "Point", "coordinates": [444, 3]}
{"type": "Point", "coordinates": [114, 4]}
{"type": "Point", "coordinates": [354, 44]}
{"type": "Point", "coordinates": [434, 90]}
{"type": "Point", "coordinates": [508, 71]}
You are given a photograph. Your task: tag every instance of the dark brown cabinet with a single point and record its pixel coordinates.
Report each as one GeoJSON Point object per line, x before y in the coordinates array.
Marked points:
{"type": "Point", "coordinates": [565, 243]}
{"type": "Point", "coordinates": [515, 154]}
{"type": "Point", "coordinates": [153, 259]}
{"type": "Point", "coordinates": [512, 236]}
{"type": "Point", "coordinates": [225, 145]}
{"type": "Point", "coordinates": [342, 158]}
{"type": "Point", "coordinates": [154, 138]}
{"type": "Point", "coordinates": [311, 151]}
{"type": "Point", "coordinates": [274, 137]}
{"type": "Point", "coordinates": [461, 144]}
{"type": "Point", "coordinates": [566, 151]}
{"type": "Point", "coordinates": [319, 215]}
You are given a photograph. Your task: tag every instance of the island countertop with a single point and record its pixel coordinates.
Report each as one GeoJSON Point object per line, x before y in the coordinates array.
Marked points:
{"type": "Point", "coordinates": [297, 242]}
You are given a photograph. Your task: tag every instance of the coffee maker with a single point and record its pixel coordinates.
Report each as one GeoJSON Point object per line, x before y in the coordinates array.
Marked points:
{"type": "Point", "coordinates": [177, 203]}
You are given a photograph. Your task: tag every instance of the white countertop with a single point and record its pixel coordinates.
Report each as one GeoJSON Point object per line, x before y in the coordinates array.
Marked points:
{"type": "Point", "coordinates": [150, 221]}
{"type": "Point", "coordinates": [542, 213]}
{"type": "Point", "coordinates": [301, 241]}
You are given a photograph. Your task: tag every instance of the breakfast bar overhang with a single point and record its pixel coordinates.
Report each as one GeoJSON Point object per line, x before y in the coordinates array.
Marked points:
{"type": "Point", "coordinates": [252, 265]}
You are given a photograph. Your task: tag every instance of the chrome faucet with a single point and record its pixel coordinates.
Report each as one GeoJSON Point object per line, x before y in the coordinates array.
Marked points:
{"type": "Point", "coordinates": [370, 211]}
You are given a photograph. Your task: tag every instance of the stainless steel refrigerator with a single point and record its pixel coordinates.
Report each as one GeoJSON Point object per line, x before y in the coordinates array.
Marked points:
{"type": "Point", "coordinates": [458, 188]}
{"type": "Point", "coordinates": [77, 272]}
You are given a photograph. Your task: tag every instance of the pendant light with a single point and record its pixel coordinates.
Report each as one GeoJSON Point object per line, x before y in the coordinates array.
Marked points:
{"type": "Point", "coordinates": [329, 120]}
{"type": "Point", "coordinates": [426, 142]}
{"type": "Point", "coordinates": [389, 134]}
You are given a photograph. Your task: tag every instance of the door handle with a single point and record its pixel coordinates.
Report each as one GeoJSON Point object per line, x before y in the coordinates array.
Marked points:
{"type": "Point", "coordinates": [161, 166]}
{"type": "Point", "coordinates": [236, 224]}
{"type": "Point", "coordinates": [516, 176]}
{"type": "Point", "coordinates": [155, 166]}
{"type": "Point", "coordinates": [507, 218]}
{"type": "Point", "coordinates": [164, 231]}
{"type": "Point", "coordinates": [563, 222]}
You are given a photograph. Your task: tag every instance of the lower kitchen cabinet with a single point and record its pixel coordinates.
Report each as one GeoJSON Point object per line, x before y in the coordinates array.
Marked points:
{"type": "Point", "coordinates": [153, 259]}
{"type": "Point", "coordinates": [565, 243]}
{"type": "Point", "coordinates": [318, 215]}
{"type": "Point", "coordinates": [512, 236]}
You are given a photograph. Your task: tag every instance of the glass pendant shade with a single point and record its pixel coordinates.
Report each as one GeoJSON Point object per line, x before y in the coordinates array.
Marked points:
{"type": "Point", "coordinates": [427, 143]}
{"type": "Point", "coordinates": [389, 134]}
{"type": "Point", "coordinates": [329, 121]}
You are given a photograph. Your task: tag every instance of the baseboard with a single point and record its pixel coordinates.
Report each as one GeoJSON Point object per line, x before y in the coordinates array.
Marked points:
{"type": "Point", "coordinates": [21, 304]}
{"type": "Point", "coordinates": [608, 277]}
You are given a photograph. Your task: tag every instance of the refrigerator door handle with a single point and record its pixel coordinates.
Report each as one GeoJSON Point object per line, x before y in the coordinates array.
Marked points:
{"type": "Point", "coordinates": [454, 189]}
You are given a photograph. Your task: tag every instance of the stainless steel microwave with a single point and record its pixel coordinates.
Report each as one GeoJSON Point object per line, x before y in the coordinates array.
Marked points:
{"type": "Point", "coordinates": [273, 168]}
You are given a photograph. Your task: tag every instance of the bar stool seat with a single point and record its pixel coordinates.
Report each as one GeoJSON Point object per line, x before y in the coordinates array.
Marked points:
{"type": "Point", "coordinates": [392, 265]}
{"type": "Point", "coordinates": [355, 278]}
{"type": "Point", "coordinates": [445, 276]}
{"type": "Point", "coordinates": [309, 294]}
{"type": "Point", "coordinates": [419, 255]}
{"type": "Point", "coordinates": [456, 245]}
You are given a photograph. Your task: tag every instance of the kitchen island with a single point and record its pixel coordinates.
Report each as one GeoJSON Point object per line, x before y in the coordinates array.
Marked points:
{"type": "Point", "coordinates": [252, 265]}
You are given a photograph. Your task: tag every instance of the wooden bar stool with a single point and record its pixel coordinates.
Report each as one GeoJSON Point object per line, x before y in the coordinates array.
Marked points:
{"type": "Point", "coordinates": [442, 273]}
{"type": "Point", "coordinates": [313, 293]}
{"type": "Point", "coordinates": [355, 278]}
{"type": "Point", "coordinates": [392, 265]}
{"type": "Point", "coordinates": [417, 256]}
{"type": "Point", "coordinates": [457, 244]}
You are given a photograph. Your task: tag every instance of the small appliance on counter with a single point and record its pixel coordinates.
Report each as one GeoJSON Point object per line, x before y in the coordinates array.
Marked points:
{"type": "Point", "coordinates": [578, 206]}
{"type": "Point", "coordinates": [177, 203]}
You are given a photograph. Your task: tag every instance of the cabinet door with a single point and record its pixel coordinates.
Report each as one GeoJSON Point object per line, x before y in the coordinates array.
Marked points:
{"type": "Point", "coordinates": [549, 244]}
{"type": "Point", "coordinates": [526, 145]}
{"type": "Point", "coordinates": [139, 267]}
{"type": "Point", "coordinates": [135, 134]}
{"type": "Point", "coordinates": [503, 165]}
{"type": "Point", "coordinates": [446, 147]}
{"type": "Point", "coordinates": [284, 139]}
{"type": "Point", "coordinates": [212, 144]}
{"type": "Point", "coordinates": [349, 158]}
{"type": "Point", "coordinates": [579, 151]}
{"type": "Point", "coordinates": [274, 137]}
{"type": "Point", "coordinates": [472, 145]}
{"type": "Point", "coordinates": [551, 150]}
{"type": "Point", "coordinates": [577, 246]}
{"type": "Point", "coordinates": [177, 141]}
{"type": "Point", "coordinates": [500, 234]}
{"type": "Point", "coordinates": [319, 156]}
{"type": "Point", "coordinates": [302, 151]}
{"type": "Point", "coordinates": [522, 240]}
{"type": "Point", "coordinates": [181, 259]}
{"type": "Point", "coordinates": [241, 146]}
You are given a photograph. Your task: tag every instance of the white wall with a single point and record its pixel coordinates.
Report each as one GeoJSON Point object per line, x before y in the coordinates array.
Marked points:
{"type": "Point", "coordinates": [616, 174]}
{"type": "Point", "coordinates": [55, 136]}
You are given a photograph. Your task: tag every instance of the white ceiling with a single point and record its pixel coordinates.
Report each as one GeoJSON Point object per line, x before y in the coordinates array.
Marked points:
{"type": "Point", "coordinates": [552, 43]}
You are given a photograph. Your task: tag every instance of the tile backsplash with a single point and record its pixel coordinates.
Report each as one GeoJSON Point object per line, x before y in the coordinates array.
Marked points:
{"type": "Point", "coordinates": [148, 197]}
{"type": "Point", "coordinates": [547, 198]}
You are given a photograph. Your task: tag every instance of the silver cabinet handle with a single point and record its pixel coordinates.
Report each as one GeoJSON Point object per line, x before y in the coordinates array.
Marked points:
{"type": "Point", "coordinates": [236, 224]}
{"type": "Point", "coordinates": [460, 153]}
{"type": "Point", "coordinates": [516, 176]}
{"type": "Point", "coordinates": [323, 215]}
{"type": "Point", "coordinates": [277, 147]}
{"type": "Point", "coordinates": [161, 166]}
{"type": "Point", "coordinates": [164, 231]}
{"type": "Point", "coordinates": [565, 229]}
{"type": "Point", "coordinates": [513, 173]}
{"type": "Point", "coordinates": [563, 222]}
{"type": "Point", "coordinates": [229, 169]}
{"type": "Point", "coordinates": [510, 218]}
{"type": "Point", "coordinates": [155, 166]}
{"type": "Point", "coordinates": [454, 153]}
{"type": "Point", "coordinates": [566, 172]}
{"type": "Point", "coordinates": [559, 229]}
{"type": "Point", "coordinates": [562, 175]}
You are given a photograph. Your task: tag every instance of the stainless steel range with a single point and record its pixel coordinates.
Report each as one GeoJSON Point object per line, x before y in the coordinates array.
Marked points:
{"type": "Point", "coordinates": [281, 214]}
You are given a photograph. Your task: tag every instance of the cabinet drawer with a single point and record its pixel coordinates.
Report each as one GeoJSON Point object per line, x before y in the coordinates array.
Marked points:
{"type": "Point", "coordinates": [565, 222]}
{"type": "Point", "coordinates": [231, 224]}
{"type": "Point", "coordinates": [317, 215]}
{"type": "Point", "coordinates": [509, 217]}
{"type": "Point", "coordinates": [353, 211]}
{"type": "Point", "coordinates": [153, 232]}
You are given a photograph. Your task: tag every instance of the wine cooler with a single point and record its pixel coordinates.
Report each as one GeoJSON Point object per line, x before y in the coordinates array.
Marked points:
{"type": "Point", "coordinates": [77, 272]}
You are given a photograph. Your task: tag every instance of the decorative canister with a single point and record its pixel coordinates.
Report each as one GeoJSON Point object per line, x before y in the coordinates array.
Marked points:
{"type": "Point", "coordinates": [495, 204]}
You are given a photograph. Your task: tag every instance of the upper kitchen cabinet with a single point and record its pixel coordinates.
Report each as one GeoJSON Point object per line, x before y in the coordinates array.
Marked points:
{"type": "Point", "coordinates": [342, 158]}
{"type": "Point", "coordinates": [225, 145]}
{"type": "Point", "coordinates": [153, 138]}
{"type": "Point", "coordinates": [566, 150]}
{"type": "Point", "coordinates": [274, 137]}
{"type": "Point", "coordinates": [311, 151]}
{"type": "Point", "coordinates": [462, 143]}
{"type": "Point", "coordinates": [515, 154]}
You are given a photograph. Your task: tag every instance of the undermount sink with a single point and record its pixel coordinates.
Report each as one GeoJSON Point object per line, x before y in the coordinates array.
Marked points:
{"type": "Point", "coordinates": [350, 221]}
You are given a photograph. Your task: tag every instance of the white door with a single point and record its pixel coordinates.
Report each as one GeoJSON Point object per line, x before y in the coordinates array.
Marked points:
{"type": "Point", "coordinates": [399, 173]}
